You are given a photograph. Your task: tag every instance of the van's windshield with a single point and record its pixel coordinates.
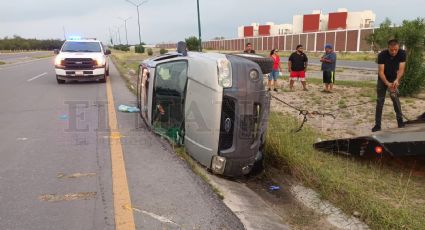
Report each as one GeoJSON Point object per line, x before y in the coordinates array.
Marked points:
{"type": "Point", "coordinates": [81, 47]}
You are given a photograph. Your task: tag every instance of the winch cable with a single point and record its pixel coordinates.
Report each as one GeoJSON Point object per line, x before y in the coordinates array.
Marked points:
{"type": "Point", "coordinates": [303, 112]}
{"type": "Point", "coordinates": [306, 113]}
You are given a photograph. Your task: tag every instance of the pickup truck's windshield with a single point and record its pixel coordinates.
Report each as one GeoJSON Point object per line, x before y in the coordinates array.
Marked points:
{"type": "Point", "coordinates": [81, 47]}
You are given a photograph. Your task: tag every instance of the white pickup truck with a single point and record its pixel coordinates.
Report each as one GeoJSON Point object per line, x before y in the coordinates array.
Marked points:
{"type": "Point", "coordinates": [82, 60]}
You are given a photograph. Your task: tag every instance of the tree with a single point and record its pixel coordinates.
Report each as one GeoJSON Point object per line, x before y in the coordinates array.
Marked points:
{"type": "Point", "coordinates": [412, 35]}
{"type": "Point", "coordinates": [193, 43]}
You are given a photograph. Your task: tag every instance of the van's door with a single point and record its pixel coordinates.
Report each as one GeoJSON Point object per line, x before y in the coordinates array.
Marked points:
{"type": "Point", "coordinates": [203, 111]}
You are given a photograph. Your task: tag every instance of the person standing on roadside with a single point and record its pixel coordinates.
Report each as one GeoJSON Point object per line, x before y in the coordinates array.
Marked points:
{"type": "Point", "coordinates": [248, 49]}
{"type": "Point", "coordinates": [391, 62]}
{"type": "Point", "coordinates": [297, 66]}
{"type": "Point", "coordinates": [276, 70]}
{"type": "Point", "coordinates": [328, 67]}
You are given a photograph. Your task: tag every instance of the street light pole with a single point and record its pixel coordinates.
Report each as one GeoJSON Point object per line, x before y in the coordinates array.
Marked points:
{"type": "Point", "coordinates": [119, 34]}
{"type": "Point", "coordinates": [199, 27]}
{"type": "Point", "coordinates": [125, 24]}
{"type": "Point", "coordinates": [138, 16]}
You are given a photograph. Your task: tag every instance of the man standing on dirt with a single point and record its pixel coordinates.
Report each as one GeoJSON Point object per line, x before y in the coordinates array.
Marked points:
{"type": "Point", "coordinates": [392, 62]}
{"type": "Point", "coordinates": [248, 49]}
{"type": "Point", "coordinates": [328, 67]}
{"type": "Point", "coordinates": [297, 66]}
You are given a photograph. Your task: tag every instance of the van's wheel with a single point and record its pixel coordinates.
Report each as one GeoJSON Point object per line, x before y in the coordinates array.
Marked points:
{"type": "Point", "coordinates": [266, 64]}
{"type": "Point", "coordinates": [103, 80]}
{"type": "Point", "coordinates": [60, 81]}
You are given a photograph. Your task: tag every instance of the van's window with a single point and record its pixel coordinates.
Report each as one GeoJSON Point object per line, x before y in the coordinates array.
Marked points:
{"type": "Point", "coordinates": [81, 47]}
{"type": "Point", "coordinates": [168, 99]}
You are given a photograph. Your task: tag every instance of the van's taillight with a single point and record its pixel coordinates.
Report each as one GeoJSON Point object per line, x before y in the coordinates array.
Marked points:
{"type": "Point", "coordinates": [378, 150]}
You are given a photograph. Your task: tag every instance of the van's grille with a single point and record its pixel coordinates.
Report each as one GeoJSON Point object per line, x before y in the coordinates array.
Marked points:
{"type": "Point", "coordinates": [227, 125]}
{"type": "Point", "coordinates": [79, 63]}
{"type": "Point", "coordinates": [249, 124]}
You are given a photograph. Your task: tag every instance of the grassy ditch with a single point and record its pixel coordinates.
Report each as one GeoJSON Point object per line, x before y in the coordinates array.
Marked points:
{"type": "Point", "coordinates": [386, 198]}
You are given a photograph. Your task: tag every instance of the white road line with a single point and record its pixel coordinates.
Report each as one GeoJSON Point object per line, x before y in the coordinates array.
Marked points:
{"type": "Point", "coordinates": [38, 76]}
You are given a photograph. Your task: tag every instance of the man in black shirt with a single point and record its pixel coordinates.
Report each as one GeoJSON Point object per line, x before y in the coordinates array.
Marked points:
{"type": "Point", "coordinates": [391, 63]}
{"type": "Point", "coordinates": [248, 49]}
{"type": "Point", "coordinates": [297, 66]}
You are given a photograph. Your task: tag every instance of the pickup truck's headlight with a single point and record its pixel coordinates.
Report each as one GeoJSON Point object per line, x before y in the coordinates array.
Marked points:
{"type": "Point", "coordinates": [100, 61]}
{"type": "Point", "coordinates": [224, 73]}
{"type": "Point", "coordinates": [59, 61]}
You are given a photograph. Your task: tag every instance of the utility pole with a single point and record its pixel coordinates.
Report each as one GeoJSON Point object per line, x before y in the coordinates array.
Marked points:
{"type": "Point", "coordinates": [111, 36]}
{"type": "Point", "coordinates": [125, 25]}
{"type": "Point", "coordinates": [64, 33]}
{"type": "Point", "coordinates": [199, 27]}
{"type": "Point", "coordinates": [138, 16]}
{"type": "Point", "coordinates": [119, 34]}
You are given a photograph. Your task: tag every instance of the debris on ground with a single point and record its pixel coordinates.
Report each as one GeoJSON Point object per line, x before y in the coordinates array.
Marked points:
{"type": "Point", "coordinates": [128, 109]}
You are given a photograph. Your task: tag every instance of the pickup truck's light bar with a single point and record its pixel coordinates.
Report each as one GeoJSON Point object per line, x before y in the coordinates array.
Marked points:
{"type": "Point", "coordinates": [74, 38]}
{"type": "Point", "coordinates": [224, 73]}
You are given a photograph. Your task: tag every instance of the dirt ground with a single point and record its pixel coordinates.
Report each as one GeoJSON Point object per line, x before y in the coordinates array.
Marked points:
{"type": "Point", "coordinates": [349, 121]}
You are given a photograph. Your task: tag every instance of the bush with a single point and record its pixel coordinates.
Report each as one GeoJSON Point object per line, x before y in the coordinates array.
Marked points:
{"type": "Point", "coordinates": [150, 52]}
{"type": "Point", "coordinates": [139, 49]}
{"type": "Point", "coordinates": [19, 43]}
{"type": "Point", "coordinates": [163, 51]}
{"type": "Point", "coordinates": [122, 47]}
{"type": "Point", "coordinates": [192, 43]}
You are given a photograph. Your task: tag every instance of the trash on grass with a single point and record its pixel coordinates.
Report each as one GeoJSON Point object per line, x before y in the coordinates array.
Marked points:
{"type": "Point", "coordinates": [128, 109]}
{"type": "Point", "coordinates": [274, 188]}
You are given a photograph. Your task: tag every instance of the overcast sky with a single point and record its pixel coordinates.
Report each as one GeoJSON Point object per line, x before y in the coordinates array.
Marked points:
{"type": "Point", "coordinates": [173, 20]}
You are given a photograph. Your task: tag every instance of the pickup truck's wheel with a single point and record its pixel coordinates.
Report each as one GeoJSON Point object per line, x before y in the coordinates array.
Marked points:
{"type": "Point", "coordinates": [103, 80]}
{"type": "Point", "coordinates": [266, 64]}
{"type": "Point", "coordinates": [107, 72]}
{"type": "Point", "coordinates": [60, 81]}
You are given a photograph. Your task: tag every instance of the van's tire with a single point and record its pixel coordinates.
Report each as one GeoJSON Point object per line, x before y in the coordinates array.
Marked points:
{"type": "Point", "coordinates": [266, 64]}
{"type": "Point", "coordinates": [60, 81]}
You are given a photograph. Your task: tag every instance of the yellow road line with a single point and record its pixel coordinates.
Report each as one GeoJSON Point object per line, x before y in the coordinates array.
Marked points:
{"type": "Point", "coordinates": [124, 219]}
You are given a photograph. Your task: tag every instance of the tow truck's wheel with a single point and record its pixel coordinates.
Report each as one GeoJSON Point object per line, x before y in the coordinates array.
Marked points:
{"type": "Point", "coordinates": [59, 80]}
{"type": "Point", "coordinates": [103, 80]}
{"type": "Point", "coordinates": [266, 64]}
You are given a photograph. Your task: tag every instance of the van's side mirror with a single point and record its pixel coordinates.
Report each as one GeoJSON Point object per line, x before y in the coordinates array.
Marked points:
{"type": "Point", "coordinates": [56, 51]}
{"type": "Point", "coordinates": [107, 52]}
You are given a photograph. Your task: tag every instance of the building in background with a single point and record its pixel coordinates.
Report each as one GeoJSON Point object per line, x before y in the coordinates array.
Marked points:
{"type": "Point", "coordinates": [268, 29]}
{"type": "Point", "coordinates": [342, 19]}
{"type": "Point", "coordinates": [346, 31]}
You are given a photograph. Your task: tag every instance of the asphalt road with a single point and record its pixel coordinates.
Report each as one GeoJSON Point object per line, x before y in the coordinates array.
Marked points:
{"type": "Point", "coordinates": [15, 57]}
{"type": "Point", "coordinates": [55, 160]}
{"type": "Point", "coordinates": [366, 65]}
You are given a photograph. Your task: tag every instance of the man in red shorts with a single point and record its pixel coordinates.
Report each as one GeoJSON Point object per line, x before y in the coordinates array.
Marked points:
{"type": "Point", "coordinates": [297, 66]}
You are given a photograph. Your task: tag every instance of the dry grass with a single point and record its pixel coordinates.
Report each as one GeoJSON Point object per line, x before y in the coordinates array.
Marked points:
{"type": "Point", "coordinates": [386, 198]}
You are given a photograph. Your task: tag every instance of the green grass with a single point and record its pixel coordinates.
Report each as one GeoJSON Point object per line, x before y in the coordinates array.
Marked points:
{"type": "Point", "coordinates": [348, 83]}
{"type": "Point", "coordinates": [2, 63]}
{"type": "Point", "coordinates": [43, 56]}
{"type": "Point", "coordinates": [387, 198]}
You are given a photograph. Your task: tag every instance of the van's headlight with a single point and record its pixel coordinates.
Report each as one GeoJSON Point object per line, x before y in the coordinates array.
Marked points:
{"type": "Point", "coordinates": [100, 61]}
{"type": "Point", "coordinates": [59, 62]}
{"type": "Point", "coordinates": [224, 73]}
{"type": "Point", "coordinates": [254, 75]}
